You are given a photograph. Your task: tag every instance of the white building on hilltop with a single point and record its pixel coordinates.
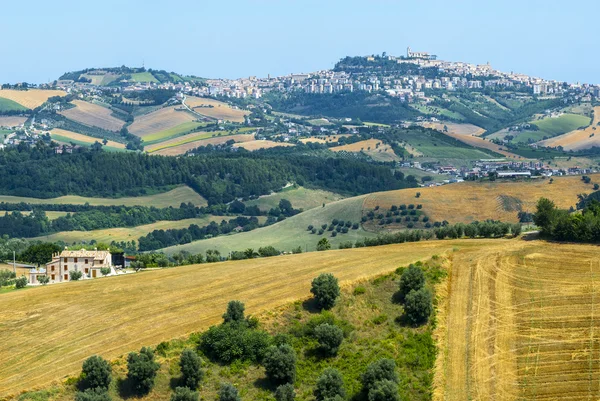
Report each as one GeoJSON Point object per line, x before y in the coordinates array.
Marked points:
{"type": "Point", "coordinates": [64, 264]}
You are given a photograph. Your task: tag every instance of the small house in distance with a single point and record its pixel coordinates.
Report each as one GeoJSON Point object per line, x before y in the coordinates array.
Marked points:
{"type": "Point", "coordinates": [62, 265]}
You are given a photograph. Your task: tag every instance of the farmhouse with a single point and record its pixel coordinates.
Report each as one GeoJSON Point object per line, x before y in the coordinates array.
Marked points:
{"type": "Point", "coordinates": [64, 264]}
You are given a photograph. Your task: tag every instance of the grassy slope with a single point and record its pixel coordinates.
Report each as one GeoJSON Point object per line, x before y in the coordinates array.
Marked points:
{"type": "Point", "coordinates": [550, 127]}
{"type": "Point", "coordinates": [289, 233]}
{"type": "Point", "coordinates": [436, 146]}
{"type": "Point", "coordinates": [301, 198]}
{"type": "Point", "coordinates": [114, 315]}
{"type": "Point", "coordinates": [171, 132]}
{"type": "Point", "coordinates": [171, 198]}
{"type": "Point", "coordinates": [143, 77]}
{"type": "Point", "coordinates": [9, 105]}
{"type": "Point", "coordinates": [370, 321]}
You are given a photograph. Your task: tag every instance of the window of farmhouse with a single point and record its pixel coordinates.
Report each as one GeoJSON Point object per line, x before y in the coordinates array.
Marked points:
{"type": "Point", "coordinates": [86, 261]}
{"type": "Point", "coordinates": [75, 260]}
{"type": "Point", "coordinates": [66, 276]}
{"type": "Point", "coordinates": [87, 270]}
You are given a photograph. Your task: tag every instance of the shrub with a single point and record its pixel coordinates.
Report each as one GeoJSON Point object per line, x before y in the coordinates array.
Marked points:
{"type": "Point", "coordinates": [321, 231]}
{"type": "Point", "coordinates": [184, 394]}
{"type": "Point", "coordinates": [383, 369]}
{"type": "Point", "coordinates": [280, 363]}
{"type": "Point", "coordinates": [21, 282]}
{"type": "Point", "coordinates": [384, 390]}
{"type": "Point", "coordinates": [141, 370]}
{"type": "Point", "coordinates": [341, 223]}
{"type": "Point", "coordinates": [419, 206]}
{"type": "Point", "coordinates": [95, 394]}
{"type": "Point", "coordinates": [380, 319]}
{"type": "Point", "coordinates": [359, 291]}
{"type": "Point", "coordinates": [346, 245]}
{"type": "Point", "coordinates": [355, 226]}
{"type": "Point", "coordinates": [338, 229]}
{"type": "Point", "coordinates": [229, 393]}
{"type": "Point", "coordinates": [334, 234]}
{"type": "Point", "coordinates": [313, 231]}
{"type": "Point", "coordinates": [105, 271]}
{"type": "Point", "coordinates": [412, 278]}
{"type": "Point", "coordinates": [323, 244]}
{"type": "Point", "coordinates": [329, 385]}
{"type": "Point", "coordinates": [330, 338]}
{"type": "Point", "coordinates": [324, 226]}
{"type": "Point", "coordinates": [234, 341]}
{"type": "Point", "coordinates": [326, 290]}
{"type": "Point", "coordinates": [76, 275]}
{"type": "Point", "coordinates": [44, 279]}
{"type": "Point", "coordinates": [418, 305]}
{"type": "Point", "coordinates": [285, 392]}
{"type": "Point", "coordinates": [191, 369]}
{"type": "Point", "coordinates": [267, 251]}
{"type": "Point", "coordinates": [235, 312]}
{"type": "Point", "coordinates": [334, 222]}
{"type": "Point", "coordinates": [310, 227]}
{"type": "Point", "coordinates": [96, 373]}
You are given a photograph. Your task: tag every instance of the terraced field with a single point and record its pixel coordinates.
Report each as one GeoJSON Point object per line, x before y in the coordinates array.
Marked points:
{"type": "Point", "coordinates": [114, 315]}
{"type": "Point", "coordinates": [91, 114]}
{"type": "Point", "coordinates": [64, 136]}
{"type": "Point", "coordinates": [181, 145]}
{"type": "Point", "coordinates": [578, 139]}
{"type": "Point", "coordinates": [31, 98]}
{"type": "Point", "coordinates": [158, 121]}
{"type": "Point", "coordinates": [518, 322]}
{"type": "Point", "coordinates": [172, 198]}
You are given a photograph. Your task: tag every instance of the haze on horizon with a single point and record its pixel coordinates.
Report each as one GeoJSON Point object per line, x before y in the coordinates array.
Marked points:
{"type": "Point", "coordinates": [231, 39]}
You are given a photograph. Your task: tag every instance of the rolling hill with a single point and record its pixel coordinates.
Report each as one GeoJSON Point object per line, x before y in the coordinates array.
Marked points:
{"type": "Point", "coordinates": [578, 139]}
{"type": "Point", "coordinates": [91, 114]}
{"type": "Point", "coordinates": [31, 98]}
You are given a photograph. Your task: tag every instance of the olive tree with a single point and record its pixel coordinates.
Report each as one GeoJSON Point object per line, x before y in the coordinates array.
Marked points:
{"type": "Point", "coordinates": [280, 363]}
{"type": "Point", "coordinates": [235, 312]}
{"type": "Point", "coordinates": [326, 290]}
{"type": "Point", "coordinates": [191, 368]}
{"type": "Point", "coordinates": [330, 338]}
{"type": "Point", "coordinates": [418, 305]}
{"type": "Point", "coordinates": [96, 373]}
{"type": "Point", "coordinates": [330, 385]}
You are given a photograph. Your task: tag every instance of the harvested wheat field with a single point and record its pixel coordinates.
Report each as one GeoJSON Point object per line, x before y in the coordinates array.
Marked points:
{"type": "Point", "coordinates": [65, 136]}
{"type": "Point", "coordinates": [260, 144]}
{"type": "Point", "coordinates": [374, 148]}
{"type": "Point", "coordinates": [91, 114]}
{"type": "Point", "coordinates": [172, 198]}
{"type": "Point", "coordinates": [476, 201]}
{"type": "Point", "coordinates": [175, 147]}
{"type": "Point", "coordinates": [214, 109]}
{"type": "Point", "coordinates": [30, 98]}
{"type": "Point", "coordinates": [578, 139]}
{"type": "Point", "coordinates": [114, 315]}
{"type": "Point", "coordinates": [160, 120]}
{"type": "Point", "coordinates": [12, 121]}
{"type": "Point", "coordinates": [471, 135]}
{"type": "Point", "coordinates": [517, 321]}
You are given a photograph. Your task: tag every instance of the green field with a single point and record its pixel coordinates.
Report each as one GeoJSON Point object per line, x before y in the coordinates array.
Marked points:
{"type": "Point", "coordinates": [320, 122]}
{"type": "Point", "coordinates": [289, 233]}
{"type": "Point", "coordinates": [439, 146]}
{"type": "Point", "coordinates": [143, 77]}
{"type": "Point", "coordinates": [301, 198]}
{"type": "Point", "coordinates": [418, 174]}
{"type": "Point", "coordinates": [178, 130]}
{"type": "Point", "coordinates": [172, 198]}
{"type": "Point", "coordinates": [185, 138]}
{"type": "Point", "coordinates": [437, 111]}
{"type": "Point", "coordinates": [550, 127]}
{"type": "Point", "coordinates": [9, 105]}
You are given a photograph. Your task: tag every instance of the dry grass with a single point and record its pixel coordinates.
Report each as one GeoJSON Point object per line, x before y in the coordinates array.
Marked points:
{"type": "Point", "coordinates": [11, 121]}
{"type": "Point", "coordinates": [126, 233]}
{"type": "Point", "coordinates": [578, 139]}
{"type": "Point", "coordinates": [261, 144]}
{"type": "Point", "coordinates": [470, 134]}
{"type": "Point", "coordinates": [171, 198]}
{"type": "Point", "coordinates": [31, 98]}
{"type": "Point", "coordinates": [520, 323]}
{"type": "Point", "coordinates": [323, 138]}
{"type": "Point", "coordinates": [60, 135]}
{"type": "Point", "coordinates": [471, 201]}
{"type": "Point", "coordinates": [374, 148]}
{"type": "Point", "coordinates": [49, 331]}
{"type": "Point", "coordinates": [219, 110]}
{"type": "Point", "coordinates": [91, 114]}
{"type": "Point", "coordinates": [174, 147]}
{"type": "Point", "coordinates": [159, 120]}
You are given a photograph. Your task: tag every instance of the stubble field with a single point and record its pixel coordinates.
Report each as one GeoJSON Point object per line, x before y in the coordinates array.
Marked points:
{"type": "Point", "coordinates": [91, 114]}
{"type": "Point", "coordinates": [31, 98]}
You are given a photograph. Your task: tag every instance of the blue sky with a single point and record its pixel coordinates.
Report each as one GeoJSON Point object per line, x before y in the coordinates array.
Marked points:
{"type": "Point", "coordinates": [554, 39]}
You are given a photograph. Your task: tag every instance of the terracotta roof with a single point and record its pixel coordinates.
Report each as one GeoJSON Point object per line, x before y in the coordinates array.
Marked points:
{"type": "Point", "coordinates": [84, 254]}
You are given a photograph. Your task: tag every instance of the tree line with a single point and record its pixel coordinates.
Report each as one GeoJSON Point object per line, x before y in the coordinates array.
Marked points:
{"type": "Point", "coordinates": [567, 225]}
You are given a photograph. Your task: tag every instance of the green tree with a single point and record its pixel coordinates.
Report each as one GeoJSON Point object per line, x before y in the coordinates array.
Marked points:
{"type": "Point", "coordinates": [191, 368]}
{"type": "Point", "coordinates": [184, 394]}
{"type": "Point", "coordinates": [92, 394]}
{"type": "Point", "coordinates": [76, 275]}
{"type": "Point", "coordinates": [412, 278]}
{"type": "Point", "coordinates": [235, 312]}
{"type": "Point", "coordinates": [96, 373]}
{"type": "Point", "coordinates": [141, 370]}
{"type": "Point", "coordinates": [280, 363]}
{"type": "Point", "coordinates": [44, 279]}
{"type": "Point", "coordinates": [383, 369]}
{"type": "Point", "coordinates": [330, 338]}
{"type": "Point", "coordinates": [228, 392]}
{"type": "Point", "coordinates": [545, 215]}
{"type": "Point", "coordinates": [285, 392]}
{"type": "Point", "coordinates": [418, 305]}
{"type": "Point", "coordinates": [105, 271]}
{"type": "Point", "coordinates": [21, 282]}
{"type": "Point", "coordinates": [326, 290]}
{"type": "Point", "coordinates": [384, 390]}
{"type": "Point", "coordinates": [323, 245]}
{"type": "Point", "coordinates": [39, 253]}
{"type": "Point", "coordinates": [330, 385]}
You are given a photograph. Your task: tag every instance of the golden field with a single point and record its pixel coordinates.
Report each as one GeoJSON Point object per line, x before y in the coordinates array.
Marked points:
{"type": "Point", "coordinates": [369, 144]}
{"type": "Point", "coordinates": [219, 110]}
{"type": "Point", "coordinates": [159, 120]}
{"type": "Point", "coordinates": [174, 147]}
{"type": "Point", "coordinates": [517, 321]}
{"type": "Point", "coordinates": [173, 198]}
{"type": "Point", "coordinates": [114, 315]}
{"type": "Point", "coordinates": [31, 98]}
{"type": "Point", "coordinates": [260, 144]}
{"type": "Point", "coordinates": [499, 200]}
{"type": "Point", "coordinates": [578, 139]}
{"type": "Point", "coordinates": [93, 115]}
{"type": "Point", "coordinates": [11, 121]}
{"type": "Point", "coordinates": [60, 135]}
